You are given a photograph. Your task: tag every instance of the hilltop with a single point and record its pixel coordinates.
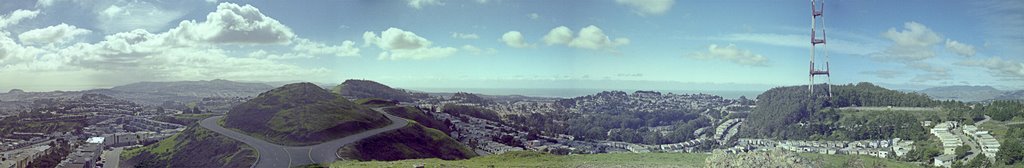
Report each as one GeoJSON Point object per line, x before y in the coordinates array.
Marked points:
{"type": "Point", "coordinates": [369, 89]}
{"type": "Point", "coordinates": [301, 114]}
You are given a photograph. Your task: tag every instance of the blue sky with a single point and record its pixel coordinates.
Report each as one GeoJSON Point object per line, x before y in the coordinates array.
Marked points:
{"type": "Point", "coordinates": [619, 44]}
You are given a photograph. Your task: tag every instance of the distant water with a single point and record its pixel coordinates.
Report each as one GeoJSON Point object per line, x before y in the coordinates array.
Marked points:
{"type": "Point", "coordinates": [574, 92]}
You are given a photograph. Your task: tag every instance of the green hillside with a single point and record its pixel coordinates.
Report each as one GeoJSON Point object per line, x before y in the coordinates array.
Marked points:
{"type": "Point", "coordinates": [415, 114]}
{"type": "Point", "coordinates": [410, 142]}
{"type": "Point", "coordinates": [302, 114]}
{"type": "Point", "coordinates": [194, 147]}
{"type": "Point", "coordinates": [538, 159]}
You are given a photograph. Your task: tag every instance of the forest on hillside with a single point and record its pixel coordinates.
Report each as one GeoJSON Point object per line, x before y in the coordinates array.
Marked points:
{"type": "Point", "coordinates": [791, 113]}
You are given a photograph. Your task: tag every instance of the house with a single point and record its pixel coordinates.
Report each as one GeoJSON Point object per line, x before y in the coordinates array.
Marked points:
{"type": "Point", "coordinates": [943, 160]}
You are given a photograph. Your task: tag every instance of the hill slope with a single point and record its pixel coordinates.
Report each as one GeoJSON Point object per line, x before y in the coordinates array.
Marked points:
{"type": "Point", "coordinates": [369, 89]}
{"type": "Point", "coordinates": [194, 147]}
{"type": "Point", "coordinates": [963, 93]}
{"type": "Point", "coordinates": [301, 114]}
{"type": "Point", "coordinates": [413, 141]}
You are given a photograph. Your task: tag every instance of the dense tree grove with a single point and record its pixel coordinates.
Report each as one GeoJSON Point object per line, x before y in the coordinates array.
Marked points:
{"type": "Point", "coordinates": [880, 125]}
{"type": "Point", "coordinates": [791, 113]}
{"type": "Point", "coordinates": [867, 94]}
{"type": "Point", "coordinates": [1002, 110]}
{"type": "Point", "coordinates": [1012, 149]}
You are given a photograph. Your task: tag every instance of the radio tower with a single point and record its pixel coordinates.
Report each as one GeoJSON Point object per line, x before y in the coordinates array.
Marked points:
{"type": "Point", "coordinates": [817, 6]}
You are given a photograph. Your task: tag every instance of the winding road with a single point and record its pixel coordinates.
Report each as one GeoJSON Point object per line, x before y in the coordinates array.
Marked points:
{"type": "Point", "coordinates": [274, 155]}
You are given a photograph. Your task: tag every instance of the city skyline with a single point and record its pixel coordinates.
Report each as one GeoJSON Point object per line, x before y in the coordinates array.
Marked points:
{"type": "Point", "coordinates": [74, 45]}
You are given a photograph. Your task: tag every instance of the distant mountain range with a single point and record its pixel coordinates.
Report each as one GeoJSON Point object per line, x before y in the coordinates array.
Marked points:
{"type": "Point", "coordinates": [155, 93]}
{"type": "Point", "coordinates": [212, 88]}
{"type": "Point", "coordinates": [972, 93]}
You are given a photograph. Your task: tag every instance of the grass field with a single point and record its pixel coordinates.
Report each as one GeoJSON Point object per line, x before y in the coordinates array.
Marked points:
{"type": "Point", "coordinates": [844, 160]}
{"type": "Point", "coordinates": [920, 114]}
{"type": "Point", "coordinates": [537, 159]}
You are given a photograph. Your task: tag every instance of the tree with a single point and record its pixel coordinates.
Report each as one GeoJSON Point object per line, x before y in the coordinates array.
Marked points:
{"type": "Point", "coordinates": [961, 151]}
{"type": "Point", "coordinates": [195, 110]}
{"type": "Point", "coordinates": [978, 161]}
{"type": "Point", "coordinates": [1010, 152]}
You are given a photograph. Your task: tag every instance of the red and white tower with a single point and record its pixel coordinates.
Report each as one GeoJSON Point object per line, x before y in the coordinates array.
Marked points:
{"type": "Point", "coordinates": [818, 27]}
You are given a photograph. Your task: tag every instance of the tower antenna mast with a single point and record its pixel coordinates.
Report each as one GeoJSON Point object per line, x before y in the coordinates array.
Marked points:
{"type": "Point", "coordinates": [817, 9]}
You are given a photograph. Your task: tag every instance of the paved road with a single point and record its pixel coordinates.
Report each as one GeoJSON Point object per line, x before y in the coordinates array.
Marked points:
{"type": "Point", "coordinates": [112, 157]}
{"type": "Point", "coordinates": [275, 156]}
{"type": "Point", "coordinates": [983, 121]}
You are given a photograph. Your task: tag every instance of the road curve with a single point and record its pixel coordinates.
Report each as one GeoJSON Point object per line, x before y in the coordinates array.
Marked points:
{"type": "Point", "coordinates": [274, 155]}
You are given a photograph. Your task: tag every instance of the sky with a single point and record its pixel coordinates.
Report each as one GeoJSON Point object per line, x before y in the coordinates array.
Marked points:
{"type": "Point", "coordinates": [639, 44]}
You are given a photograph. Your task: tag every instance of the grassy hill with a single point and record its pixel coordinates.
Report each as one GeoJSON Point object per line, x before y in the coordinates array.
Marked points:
{"type": "Point", "coordinates": [301, 114]}
{"type": "Point", "coordinates": [369, 89]}
{"type": "Point", "coordinates": [410, 142]}
{"type": "Point", "coordinates": [538, 159]}
{"type": "Point", "coordinates": [415, 114]}
{"type": "Point", "coordinates": [194, 147]}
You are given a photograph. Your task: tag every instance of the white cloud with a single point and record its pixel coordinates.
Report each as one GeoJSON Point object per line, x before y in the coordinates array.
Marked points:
{"type": "Point", "coordinates": [884, 74]}
{"type": "Point", "coordinates": [45, 3]}
{"type": "Point", "coordinates": [16, 17]}
{"type": "Point", "coordinates": [515, 39]}
{"type": "Point", "coordinates": [140, 55]}
{"type": "Point", "coordinates": [914, 34]}
{"type": "Point", "coordinates": [347, 48]}
{"type": "Point", "coordinates": [59, 34]}
{"type": "Point", "coordinates": [234, 24]}
{"type": "Point", "coordinates": [960, 48]}
{"type": "Point", "coordinates": [398, 44]}
{"type": "Point", "coordinates": [465, 36]}
{"type": "Point", "coordinates": [558, 35]}
{"type": "Point", "coordinates": [1003, 68]}
{"type": "Point", "coordinates": [932, 72]}
{"type": "Point", "coordinates": [590, 37]}
{"type": "Point", "coordinates": [533, 16]}
{"type": "Point", "coordinates": [858, 47]}
{"type": "Point", "coordinates": [478, 51]}
{"type": "Point", "coordinates": [263, 54]}
{"type": "Point", "coordinates": [419, 4]}
{"type": "Point", "coordinates": [912, 44]}
{"type": "Point", "coordinates": [129, 15]}
{"type": "Point", "coordinates": [732, 54]}
{"type": "Point", "coordinates": [648, 7]}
